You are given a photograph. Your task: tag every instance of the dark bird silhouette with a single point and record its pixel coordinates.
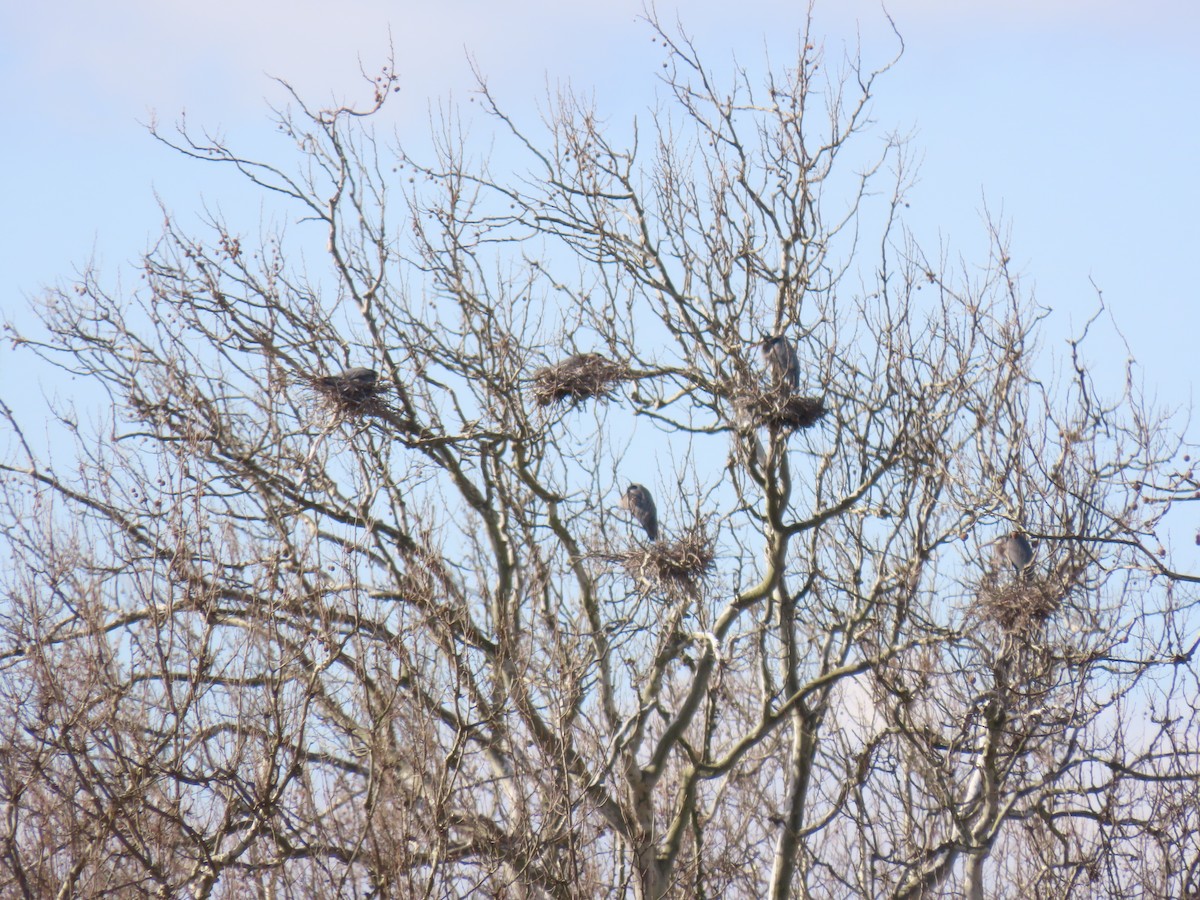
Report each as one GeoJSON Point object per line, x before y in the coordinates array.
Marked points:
{"type": "Point", "coordinates": [780, 358]}
{"type": "Point", "coordinates": [1015, 550]}
{"type": "Point", "coordinates": [638, 501]}
{"type": "Point", "coordinates": [353, 385]}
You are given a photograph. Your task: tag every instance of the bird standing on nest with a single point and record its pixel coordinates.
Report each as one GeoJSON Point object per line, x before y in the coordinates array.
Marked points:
{"type": "Point", "coordinates": [353, 385]}
{"type": "Point", "coordinates": [1015, 550]}
{"type": "Point", "coordinates": [780, 358]}
{"type": "Point", "coordinates": [638, 501]}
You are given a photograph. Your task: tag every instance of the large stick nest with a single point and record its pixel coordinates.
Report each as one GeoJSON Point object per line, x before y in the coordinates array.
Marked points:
{"type": "Point", "coordinates": [351, 395]}
{"type": "Point", "coordinates": [583, 376]}
{"type": "Point", "coordinates": [675, 569]}
{"type": "Point", "coordinates": [778, 409]}
{"type": "Point", "coordinates": [1021, 605]}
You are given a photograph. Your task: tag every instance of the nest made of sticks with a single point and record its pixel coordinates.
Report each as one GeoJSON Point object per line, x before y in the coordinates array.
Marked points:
{"type": "Point", "coordinates": [675, 569]}
{"type": "Point", "coordinates": [1020, 605]}
{"type": "Point", "coordinates": [349, 395]}
{"type": "Point", "coordinates": [779, 409]}
{"type": "Point", "coordinates": [583, 376]}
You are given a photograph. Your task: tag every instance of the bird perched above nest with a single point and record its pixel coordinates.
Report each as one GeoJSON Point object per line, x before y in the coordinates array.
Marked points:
{"type": "Point", "coordinates": [777, 405]}
{"type": "Point", "coordinates": [638, 501]}
{"type": "Point", "coordinates": [1022, 604]}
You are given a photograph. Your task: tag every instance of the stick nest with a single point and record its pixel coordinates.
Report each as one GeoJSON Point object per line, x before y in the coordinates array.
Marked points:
{"type": "Point", "coordinates": [675, 569]}
{"type": "Point", "coordinates": [1019, 606]}
{"type": "Point", "coordinates": [349, 399]}
{"type": "Point", "coordinates": [779, 409]}
{"type": "Point", "coordinates": [583, 376]}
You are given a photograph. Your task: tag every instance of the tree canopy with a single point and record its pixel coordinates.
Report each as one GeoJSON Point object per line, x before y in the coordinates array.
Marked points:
{"type": "Point", "coordinates": [340, 595]}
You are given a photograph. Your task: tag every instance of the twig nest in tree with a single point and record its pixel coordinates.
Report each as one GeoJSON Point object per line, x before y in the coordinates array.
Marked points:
{"type": "Point", "coordinates": [1021, 605]}
{"type": "Point", "coordinates": [352, 394]}
{"type": "Point", "coordinates": [779, 409]}
{"type": "Point", "coordinates": [675, 569]}
{"type": "Point", "coordinates": [800, 412]}
{"type": "Point", "coordinates": [580, 377]}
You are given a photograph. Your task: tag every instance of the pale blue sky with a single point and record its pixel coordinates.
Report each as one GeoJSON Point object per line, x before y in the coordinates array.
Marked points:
{"type": "Point", "coordinates": [1079, 119]}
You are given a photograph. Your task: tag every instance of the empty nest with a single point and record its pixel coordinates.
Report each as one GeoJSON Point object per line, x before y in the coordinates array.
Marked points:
{"type": "Point", "coordinates": [780, 410]}
{"type": "Point", "coordinates": [1021, 605]}
{"type": "Point", "coordinates": [583, 376]}
{"type": "Point", "coordinates": [672, 568]}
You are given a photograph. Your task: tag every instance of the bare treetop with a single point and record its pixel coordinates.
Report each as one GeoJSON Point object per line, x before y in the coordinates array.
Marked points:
{"type": "Point", "coordinates": [272, 629]}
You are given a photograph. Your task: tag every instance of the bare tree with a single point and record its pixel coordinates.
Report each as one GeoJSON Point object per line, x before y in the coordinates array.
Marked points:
{"type": "Point", "coordinates": [335, 596]}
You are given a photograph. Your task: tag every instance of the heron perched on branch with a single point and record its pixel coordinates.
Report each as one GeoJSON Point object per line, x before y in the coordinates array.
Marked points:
{"type": "Point", "coordinates": [638, 501]}
{"type": "Point", "coordinates": [1015, 550]}
{"type": "Point", "coordinates": [780, 358]}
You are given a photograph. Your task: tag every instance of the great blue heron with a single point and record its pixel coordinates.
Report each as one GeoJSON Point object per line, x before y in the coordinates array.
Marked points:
{"type": "Point", "coordinates": [1015, 550]}
{"type": "Point", "coordinates": [780, 358]}
{"type": "Point", "coordinates": [638, 501]}
{"type": "Point", "coordinates": [353, 385]}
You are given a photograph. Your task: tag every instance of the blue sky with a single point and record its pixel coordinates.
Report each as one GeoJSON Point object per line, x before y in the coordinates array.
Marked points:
{"type": "Point", "coordinates": [1079, 121]}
